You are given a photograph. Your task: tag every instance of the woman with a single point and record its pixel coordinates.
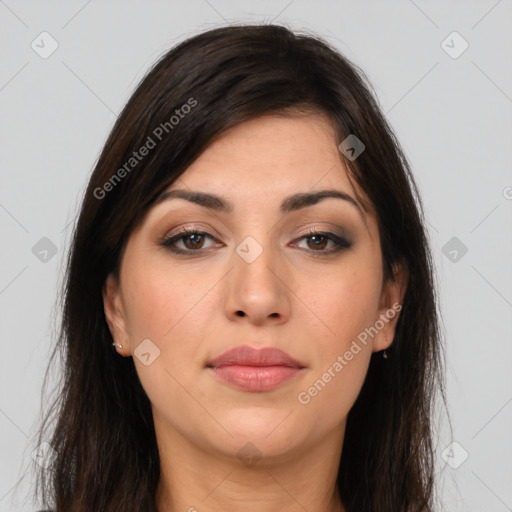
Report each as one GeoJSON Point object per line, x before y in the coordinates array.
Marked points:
{"type": "Point", "coordinates": [250, 318]}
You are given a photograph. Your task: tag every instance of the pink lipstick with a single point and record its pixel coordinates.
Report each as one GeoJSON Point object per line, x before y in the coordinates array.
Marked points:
{"type": "Point", "coordinates": [255, 370]}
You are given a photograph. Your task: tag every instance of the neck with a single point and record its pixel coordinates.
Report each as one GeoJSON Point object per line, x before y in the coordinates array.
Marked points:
{"type": "Point", "coordinates": [197, 480]}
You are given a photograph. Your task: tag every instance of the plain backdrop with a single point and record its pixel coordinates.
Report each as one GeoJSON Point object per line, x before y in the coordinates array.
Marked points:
{"type": "Point", "coordinates": [442, 74]}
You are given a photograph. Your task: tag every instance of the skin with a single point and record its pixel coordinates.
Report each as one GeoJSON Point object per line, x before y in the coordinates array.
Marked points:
{"type": "Point", "coordinates": [309, 303]}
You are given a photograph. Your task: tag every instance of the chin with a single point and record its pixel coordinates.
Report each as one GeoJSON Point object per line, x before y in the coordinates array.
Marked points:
{"type": "Point", "coordinates": [264, 428]}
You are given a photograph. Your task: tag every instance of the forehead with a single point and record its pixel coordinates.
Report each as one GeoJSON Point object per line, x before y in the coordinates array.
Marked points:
{"type": "Point", "coordinates": [270, 157]}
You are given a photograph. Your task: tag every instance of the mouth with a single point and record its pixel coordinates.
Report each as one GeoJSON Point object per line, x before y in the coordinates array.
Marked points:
{"type": "Point", "coordinates": [255, 370]}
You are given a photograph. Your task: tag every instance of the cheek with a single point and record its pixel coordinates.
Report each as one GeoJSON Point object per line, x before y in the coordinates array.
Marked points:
{"type": "Point", "coordinates": [331, 393]}
{"type": "Point", "coordinates": [171, 308]}
{"type": "Point", "coordinates": [161, 301]}
{"type": "Point", "coordinates": [342, 304]}
{"type": "Point", "coordinates": [175, 309]}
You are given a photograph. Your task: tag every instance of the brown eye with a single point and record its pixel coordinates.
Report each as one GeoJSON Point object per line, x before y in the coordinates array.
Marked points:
{"type": "Point", "coordinates": [318, 241]}
{"type": "Point", "coordinates": [192, 241]}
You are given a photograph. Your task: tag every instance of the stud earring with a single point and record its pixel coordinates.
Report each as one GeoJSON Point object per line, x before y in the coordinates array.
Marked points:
{"type": "Point", "coordinates": [117, 345]}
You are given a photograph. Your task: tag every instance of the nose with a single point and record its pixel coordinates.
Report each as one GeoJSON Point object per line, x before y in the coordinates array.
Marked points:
{"type": "Point", "coordinates": [257, 290]}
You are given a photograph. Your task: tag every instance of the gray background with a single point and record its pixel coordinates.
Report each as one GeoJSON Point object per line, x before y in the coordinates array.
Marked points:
{"type": "Point", "coordinates": [452, 116]}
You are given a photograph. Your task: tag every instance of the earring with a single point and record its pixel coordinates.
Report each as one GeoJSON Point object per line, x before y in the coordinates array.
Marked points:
{"type": "Point", "coordinates": [384, 355]}
{"type": "Point", "coordinates": [117, 345]}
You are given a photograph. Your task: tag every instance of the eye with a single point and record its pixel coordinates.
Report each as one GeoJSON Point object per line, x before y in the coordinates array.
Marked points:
{"type": "Point", "coordinates": [317, 241]}
{"type": "Point", "coordinates": [192, 240]}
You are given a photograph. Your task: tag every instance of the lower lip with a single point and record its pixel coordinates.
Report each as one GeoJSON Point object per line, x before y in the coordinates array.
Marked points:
{"type": "Point", "coordinates": [256, 378]}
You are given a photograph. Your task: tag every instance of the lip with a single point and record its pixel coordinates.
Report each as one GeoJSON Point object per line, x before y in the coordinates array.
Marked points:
{"type": "Point", "coordinates": [255, 370]}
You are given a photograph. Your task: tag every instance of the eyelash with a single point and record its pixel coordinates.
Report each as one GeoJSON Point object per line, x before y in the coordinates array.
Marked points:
{"type": "Point", "coordinates": [168, 242]}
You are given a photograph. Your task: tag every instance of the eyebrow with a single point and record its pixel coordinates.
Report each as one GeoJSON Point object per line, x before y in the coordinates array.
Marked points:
{"type": "Point", "coordinates": [290, 204]}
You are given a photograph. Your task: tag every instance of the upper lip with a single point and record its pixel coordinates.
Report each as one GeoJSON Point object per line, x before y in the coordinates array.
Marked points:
{"type": "Point", "coordinates": [249, 356]}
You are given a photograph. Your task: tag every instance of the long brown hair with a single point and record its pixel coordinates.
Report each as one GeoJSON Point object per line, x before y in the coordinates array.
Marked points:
{"type": "Point", "coordinates": [107, 456]}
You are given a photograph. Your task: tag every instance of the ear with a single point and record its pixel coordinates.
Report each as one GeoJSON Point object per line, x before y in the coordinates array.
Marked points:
{"type": "Point", "coordinates": [114, 312]}
{"type": "Point", "coordinates": [391, 302]}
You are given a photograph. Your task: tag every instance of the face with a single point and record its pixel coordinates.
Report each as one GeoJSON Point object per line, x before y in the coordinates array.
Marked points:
{"type": "Point", "coordinates": [255, 268]}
